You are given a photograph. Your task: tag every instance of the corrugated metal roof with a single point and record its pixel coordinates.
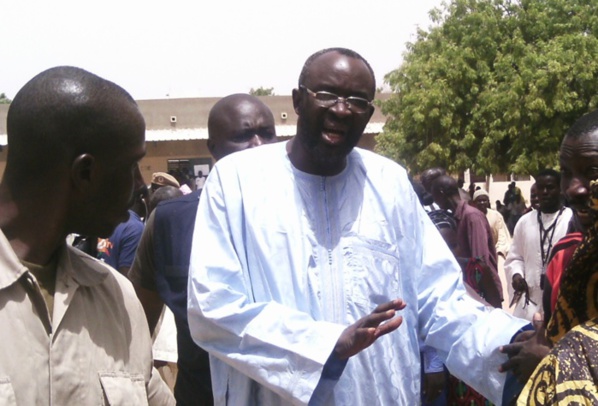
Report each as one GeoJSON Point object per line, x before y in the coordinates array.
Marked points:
{"type": "Point", "coordinates": [186, 134]}
{"type": "Point", "coordinates": [177, 135]}
{"type": "Point", "coordinates": [202, 133]}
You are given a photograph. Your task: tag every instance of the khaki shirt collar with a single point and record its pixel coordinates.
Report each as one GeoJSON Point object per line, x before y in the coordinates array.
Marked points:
{"type": "Point", "coordinates": [73, 261]}
{"type": "Point", "coordinates": [11, 268]}
{"type": "Point", "coordinates": [70, 266]}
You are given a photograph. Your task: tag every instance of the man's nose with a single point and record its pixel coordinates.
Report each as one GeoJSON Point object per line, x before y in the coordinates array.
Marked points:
{"type": "Point", "coordinates": [341, 108]}
{"type": "Point", "coordinates": [255, 141]}
{"type": "Point", "coordinates": [577, 188]}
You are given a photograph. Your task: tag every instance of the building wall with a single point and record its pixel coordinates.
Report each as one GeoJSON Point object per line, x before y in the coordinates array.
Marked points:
{"type": "Point", "coordinates": [497, 189]}
{"type": "Point", "coordinates": [158, 153]}
{"type": "Point", "coordinates": [192, 113]}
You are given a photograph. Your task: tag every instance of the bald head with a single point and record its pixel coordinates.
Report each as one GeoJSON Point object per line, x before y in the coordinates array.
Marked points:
{"type": "Point", "coordinates": [238, 122]}
{"type": "Point", "coordinates": [429, 176]}
{"type": "Point", "coordinates": [305, 71]}
{"type": "Point", "coordinates": [64, 112]}
{"type": "Point", "coordinates": [445, 192]}
{"type": "Point", "coordinates": [447, 184]}
{"type": "Point", "coordinates": [162, 194]}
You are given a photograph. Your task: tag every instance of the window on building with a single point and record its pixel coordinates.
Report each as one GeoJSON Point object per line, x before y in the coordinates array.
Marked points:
{"type": "Point", "coordinates": [192, 172]}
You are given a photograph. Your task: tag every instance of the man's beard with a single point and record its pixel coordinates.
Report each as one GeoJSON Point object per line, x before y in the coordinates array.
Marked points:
{"type": "Point", "coordinates": [323, 155]}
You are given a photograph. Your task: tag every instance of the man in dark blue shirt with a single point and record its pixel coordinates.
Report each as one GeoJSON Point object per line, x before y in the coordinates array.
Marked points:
{"type": "Point", "coordinates": [119, 249]}
{"type": "Point", "coordinates": [161, 268]}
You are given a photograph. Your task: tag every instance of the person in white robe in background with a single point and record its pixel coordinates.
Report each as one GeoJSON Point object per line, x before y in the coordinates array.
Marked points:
{"type": "Point", "coordinates": [535, 234]}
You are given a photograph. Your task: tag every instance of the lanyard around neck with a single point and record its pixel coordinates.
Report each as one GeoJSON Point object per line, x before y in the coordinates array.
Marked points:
{"type": "Point", "coordinates": [544, 232]}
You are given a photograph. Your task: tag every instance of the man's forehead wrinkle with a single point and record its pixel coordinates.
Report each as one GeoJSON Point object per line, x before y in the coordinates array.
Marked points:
{"type": "Point", "coordinates": [582, 147]}
{"type": "Point", "coordinates": [588, 148]}
{"type": "Point", "coordinates": [248, 123]}
{"type": "Point", "coordinates": [247, 116]}
{"type": "Point", "coordinates": [234, 120]}
{"type": "Point", "coordinates": [566, 150]}
{"type": "Point", "coordinates": [255, 123]}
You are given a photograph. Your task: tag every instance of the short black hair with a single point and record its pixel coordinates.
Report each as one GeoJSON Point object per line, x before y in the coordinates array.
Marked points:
{"type": "Point", "coordinates": [62, 112]}
{"type": "Point", "coordinates": [343, 51]}
{"type": "Point", "coordinates": [586, 124]}
{"type": "Point", "coordinates": [430, 174]}
{"type": "Point", "coordinates": [549, 172]}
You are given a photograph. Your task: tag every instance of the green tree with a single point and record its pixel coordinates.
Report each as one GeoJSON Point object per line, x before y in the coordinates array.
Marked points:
{"type": "Point", "coordinates": [4, 99]}
{"type": "Point", "coordinates": [493, 85]}
{"type": "Point", "coordinates": [262, 91]}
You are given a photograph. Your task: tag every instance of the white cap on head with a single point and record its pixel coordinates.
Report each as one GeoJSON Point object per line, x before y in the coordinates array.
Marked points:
{"type": "Point", "coordinates": [480, 192]}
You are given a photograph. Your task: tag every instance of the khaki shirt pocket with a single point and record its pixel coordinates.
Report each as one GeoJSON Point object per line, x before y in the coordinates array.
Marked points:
{"type": "Point", "coordinates": [123, 389]}
{"type": "Point", "coordinates": [7, 394]}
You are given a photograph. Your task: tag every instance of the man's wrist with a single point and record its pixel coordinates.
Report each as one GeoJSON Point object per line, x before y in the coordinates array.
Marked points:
{"type": "Point", "coordinates": [334, 367]}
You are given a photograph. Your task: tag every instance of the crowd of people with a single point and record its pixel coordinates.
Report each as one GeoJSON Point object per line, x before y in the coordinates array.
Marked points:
{"type": "Point", "coordinates": [301, 272]}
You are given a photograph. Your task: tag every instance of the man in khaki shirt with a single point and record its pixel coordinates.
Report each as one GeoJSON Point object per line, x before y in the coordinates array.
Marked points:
{"type": "Point", "coordinates": [73, 332]}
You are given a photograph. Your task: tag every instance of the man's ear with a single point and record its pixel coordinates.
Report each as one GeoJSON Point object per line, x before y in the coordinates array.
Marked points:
{"type": "Point", "coordinates": [82, 171]}
{"type": "Point", "coordinates": [296, 100]}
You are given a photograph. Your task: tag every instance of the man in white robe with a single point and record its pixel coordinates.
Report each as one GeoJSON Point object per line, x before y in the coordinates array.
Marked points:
{"type": "Point", "coordinates": [535, 234]}
{"type": "Point", "coordinates": [303, 253]}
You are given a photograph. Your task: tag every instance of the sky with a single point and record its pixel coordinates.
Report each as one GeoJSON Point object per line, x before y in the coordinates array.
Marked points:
{"type": "Point", "coordinates": [209, 48]}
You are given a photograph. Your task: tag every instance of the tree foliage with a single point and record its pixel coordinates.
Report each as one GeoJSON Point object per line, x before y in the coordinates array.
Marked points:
{"type": "Point", "coordinates": [493, 85]}
{"type": "Point", "coordinates": [4, 99]}
{"type": "Point", "coordinates": [262, 91]}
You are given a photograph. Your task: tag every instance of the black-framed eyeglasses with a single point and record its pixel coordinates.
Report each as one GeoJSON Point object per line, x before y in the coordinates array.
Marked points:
{"type": "Point", "coordinates": [325, 99]}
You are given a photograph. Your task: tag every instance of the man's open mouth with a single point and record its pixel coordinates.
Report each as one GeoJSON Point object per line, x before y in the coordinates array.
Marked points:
{"type": "Point", "coordinates": [333, 136]}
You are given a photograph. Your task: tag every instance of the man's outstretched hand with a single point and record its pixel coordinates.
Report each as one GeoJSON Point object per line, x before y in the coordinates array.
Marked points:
{"type": "Point", "coordinates": [526, 352]}
{"type": "Point", "coordinates": [361, 334]}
